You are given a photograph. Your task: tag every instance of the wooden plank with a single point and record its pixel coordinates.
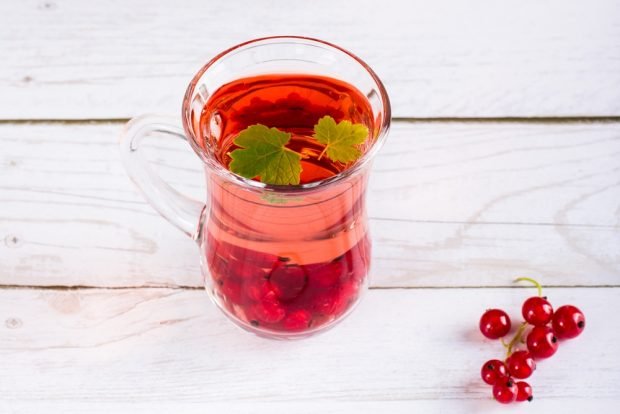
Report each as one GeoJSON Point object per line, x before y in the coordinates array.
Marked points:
{"type": "Point", "coordinates": [572, 405]}
{"type": "Point", "coordinates": [165, 348]}
{"type": "Point", "coordinates": [452, 204]}
{"type": "Point", "coordinates": [71, 60]}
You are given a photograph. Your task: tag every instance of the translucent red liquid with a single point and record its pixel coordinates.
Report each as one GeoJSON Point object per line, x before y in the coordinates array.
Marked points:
{"type": "Point", "coordinates": [268, 291]}
{"type": "Point", "coordinates": [291, 103]}
{"type": "Point", "coordinates": [285, 262]}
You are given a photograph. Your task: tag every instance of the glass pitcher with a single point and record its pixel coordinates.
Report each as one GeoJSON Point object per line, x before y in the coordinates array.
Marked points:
{"type": "Point", "coordinates": [280, 261]}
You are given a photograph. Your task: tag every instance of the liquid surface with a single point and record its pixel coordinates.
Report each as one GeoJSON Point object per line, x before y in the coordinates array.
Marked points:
{"type": "Point", "coordinates": [291, 103]}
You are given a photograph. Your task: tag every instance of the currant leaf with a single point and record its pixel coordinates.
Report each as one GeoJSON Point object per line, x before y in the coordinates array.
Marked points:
{"type": "Point", "coordinates": [263, 154]}
{"type": "Point", "coordinates": [340, 139]}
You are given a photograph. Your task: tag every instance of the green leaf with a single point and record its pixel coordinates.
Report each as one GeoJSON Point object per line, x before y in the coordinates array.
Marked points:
{"type": "Point", "coordinates": [262, 154]}
{"type": "Point", "coordinates": [340, 139]}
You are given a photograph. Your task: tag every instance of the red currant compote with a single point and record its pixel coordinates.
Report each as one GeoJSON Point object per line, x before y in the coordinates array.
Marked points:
{"type": "Point", "coordinates": [276, 294]}
{"type": "Point", "coordinates": [287, 262]}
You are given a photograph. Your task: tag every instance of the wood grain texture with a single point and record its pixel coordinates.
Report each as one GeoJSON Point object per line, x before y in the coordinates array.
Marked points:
{"type": "Point", "coordinates": [451, 205]}
{"type": "Point", "coordinates": [66, 59]}
{"type": "Point", "coordinates": [164, 348]}
{"type": "Point", "coordinates": [467, 205]}
{"type": "Point", "coordinates": [572, 405]}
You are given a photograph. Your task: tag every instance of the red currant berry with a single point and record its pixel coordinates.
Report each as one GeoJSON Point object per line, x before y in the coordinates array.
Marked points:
{"type": "Point", "coordinates": [537, 311]}
{"type": "Point", "coordinates": [520, 364]}
{"type": "Point", "coordinates": [230, 290]}
{"type": "Point", "coordinates": [288, 281]}
{"type": "Point", "coordinates": [269, 309]}
{"type": "Point", "coordinates": [325, 303]}
{"type": "Point", "coordinates": [246, 270]}
{"type": "Point", "coordinates": [297, 320]}
{"type": "Point", "coordinates": [256, 289]}
{"type": "Point", "coordinates": [568, 322]}
{"type": "Point", "coordinates": [542, 342]}
{"type": "Point", "coordinates": [492, 371]}
{"type": "Point", "coordinates": [524, 392]}
{"type": "Point", "coordinates": [326, 275]}
{"type": "Point", "coordinates": [218, 267]}
{"type": "Point", "coordinates": [505, 391]}
{"type": "Point", "coordinates": [494, 323]}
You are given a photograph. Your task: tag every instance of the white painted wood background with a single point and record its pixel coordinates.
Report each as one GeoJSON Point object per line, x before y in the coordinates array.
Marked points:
{"type": "Point", "coordinates": [504, 161]}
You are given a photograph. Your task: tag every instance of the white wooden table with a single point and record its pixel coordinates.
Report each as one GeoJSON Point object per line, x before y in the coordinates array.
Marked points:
{"type": "Point", "coordinates": [504, 160]}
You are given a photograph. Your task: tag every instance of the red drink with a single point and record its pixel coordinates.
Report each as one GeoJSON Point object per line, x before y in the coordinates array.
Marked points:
{"type": "Point", "coordinates": [275, 293]}
{"type": "Point", "coordinates": [281, 262]}
{"type": "Point", "coordinates": [291, 103]}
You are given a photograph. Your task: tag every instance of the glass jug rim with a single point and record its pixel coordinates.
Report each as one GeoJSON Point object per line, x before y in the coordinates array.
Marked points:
{"type": "Point", "coordinates": [222, 171]}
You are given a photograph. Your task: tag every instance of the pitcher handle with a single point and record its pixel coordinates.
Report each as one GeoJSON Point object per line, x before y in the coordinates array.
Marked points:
{"type": "Point", "coordinates": [178, 209]}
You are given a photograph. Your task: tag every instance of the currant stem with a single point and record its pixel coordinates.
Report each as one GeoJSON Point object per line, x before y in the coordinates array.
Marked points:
{"type": "Point", "coordinates": [504, 344]}
{"type": "Point", "coordinates": [532, 281]}
{"type": "Point", "coordinates": [295, 152]}
{"type": "Point", "coordinates": [322, 153]}
{"type": "Point", "coordinates": [515, 339]}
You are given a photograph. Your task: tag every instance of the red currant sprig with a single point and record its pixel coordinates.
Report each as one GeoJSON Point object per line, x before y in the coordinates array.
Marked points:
{"type": "Point", "coordinates": [545, 328]}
